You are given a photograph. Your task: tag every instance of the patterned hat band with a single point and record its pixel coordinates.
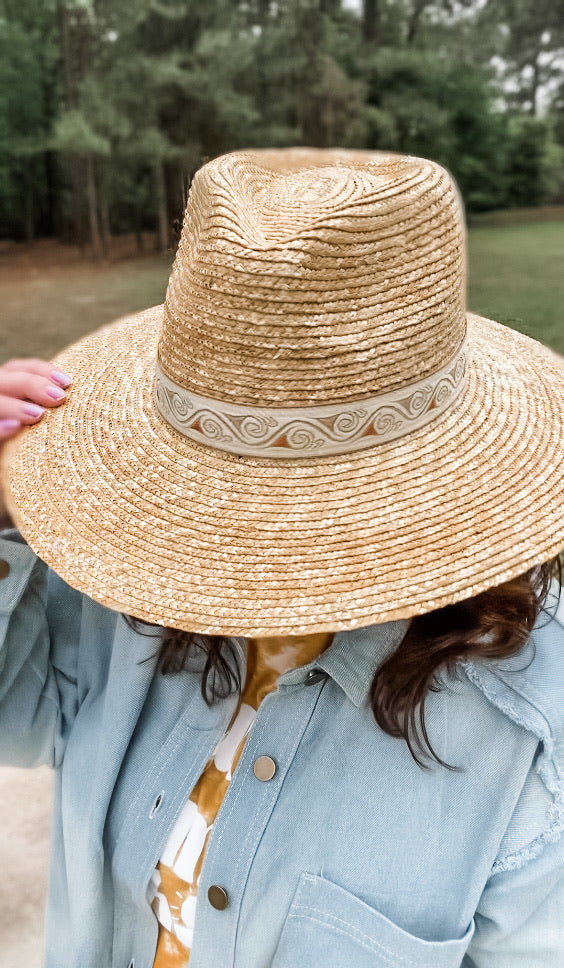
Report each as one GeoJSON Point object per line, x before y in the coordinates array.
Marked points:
{"type": "Point", "coordinates": [319, 431]}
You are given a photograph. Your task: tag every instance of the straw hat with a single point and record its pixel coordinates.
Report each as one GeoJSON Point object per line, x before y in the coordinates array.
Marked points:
{"type": "Point", "coordinates": [311, 433]}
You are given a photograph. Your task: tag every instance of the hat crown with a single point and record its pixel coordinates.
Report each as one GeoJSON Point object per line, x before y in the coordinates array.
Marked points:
{"type": "Point", "coordinates": [315, 276]}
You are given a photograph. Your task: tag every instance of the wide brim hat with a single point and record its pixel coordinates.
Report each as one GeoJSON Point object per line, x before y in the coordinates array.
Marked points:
{"type": "Point", "coordinates": [311, 434]}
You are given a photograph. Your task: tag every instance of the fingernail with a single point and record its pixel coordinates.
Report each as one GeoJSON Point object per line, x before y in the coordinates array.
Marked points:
{"type": "Point", "coordinates": [62, 378]}
{"type": "Point", "coordinates": [55, 393]}
{"type": "Point", "coordinates": [9, 424]}
{"type": "Point", "coordinates": [32, 410]}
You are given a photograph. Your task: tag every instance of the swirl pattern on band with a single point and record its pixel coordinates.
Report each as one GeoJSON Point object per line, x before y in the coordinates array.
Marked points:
{"type": "Point", "coordinates": [310, 431]}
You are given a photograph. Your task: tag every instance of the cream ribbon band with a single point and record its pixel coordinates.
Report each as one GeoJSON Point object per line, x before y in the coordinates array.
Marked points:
{"type": "Point", "coordinates": [310, 431]}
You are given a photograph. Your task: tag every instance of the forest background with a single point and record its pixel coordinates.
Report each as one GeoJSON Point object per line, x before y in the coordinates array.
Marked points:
{"type": "Point", "coordinates": [108, 107]}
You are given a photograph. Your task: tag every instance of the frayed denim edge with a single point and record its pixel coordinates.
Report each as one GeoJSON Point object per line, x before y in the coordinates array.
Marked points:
{"type": "Point", "coordinates": [547, 770]}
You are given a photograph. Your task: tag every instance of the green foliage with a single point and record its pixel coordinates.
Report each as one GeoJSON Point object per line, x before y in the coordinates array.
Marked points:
{"type": "Point", "coordinates": [527, 36]}
{"type": "Point", "coordinates": [302, 90]}
{"type": "Point", "coordinates": [107, 107]}
{"type": "Point", "coordinates": [534, 161]}
{"type": "Point", "coordinates": [27, 65]}
{"type": "Point", "coordinates": [72, 132]}
{"type": "Point", "coordinates": [425, 104]}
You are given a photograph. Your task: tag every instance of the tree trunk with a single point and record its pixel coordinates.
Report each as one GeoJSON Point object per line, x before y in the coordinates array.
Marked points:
{"type": "Point", "coordinates": [535, 84]}
{"type": "Point", "coordinates": [54, 222]}
{"type": "Point", "coordinates": [415, 20]}
{"type": "Point", "coordinates": [95, 238]}
{"type": "Point", "coordinates": [69, 101]}
{"type": "Point", "coordinates": [64, 35]}
{"type": "Point", "coordinates": [263, 11]}
{"type": "Point", "coordinates": [76, 167]}
{"type": "Point", "coordinates": [105, 213]}
{"type": "Point", "coordinates": [75, 42]}
{"type": "Point", "coordinates": [370, 20]}
{"type": "Point", "coordinates": [29, 213]}
{"type": "Point", "coordinates": [331, 7]}
{"type": "Point", "coordinates": [162, 213]}
{"type": "Point", "coordinates": [105, 226]}
{"type": "Point", "coordinates": [183, 183]}
{"type": "Point", "coordinates": [139, 237]}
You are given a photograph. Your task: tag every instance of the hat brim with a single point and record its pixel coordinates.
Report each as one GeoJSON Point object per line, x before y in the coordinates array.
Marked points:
{"type": "Point", "coordinates": [145, 521]}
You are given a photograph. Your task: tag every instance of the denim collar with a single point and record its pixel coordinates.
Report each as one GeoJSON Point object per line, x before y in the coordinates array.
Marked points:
{"type": "Point", "coordinates": [352, 658]}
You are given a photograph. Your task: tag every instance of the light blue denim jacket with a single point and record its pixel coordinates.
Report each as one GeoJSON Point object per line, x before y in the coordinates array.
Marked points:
{"type": "Point", "coordinates": [351, 856]}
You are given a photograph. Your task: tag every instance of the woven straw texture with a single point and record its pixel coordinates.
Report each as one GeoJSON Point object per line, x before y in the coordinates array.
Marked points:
{"type": "Point", "coordinates": [144, 520]}
{"type": "Point", "coordinates": [294, 286]}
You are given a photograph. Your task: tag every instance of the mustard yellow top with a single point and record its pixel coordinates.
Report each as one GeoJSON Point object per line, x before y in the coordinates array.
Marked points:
{"type": "Point", "coordinates": [174, 885]}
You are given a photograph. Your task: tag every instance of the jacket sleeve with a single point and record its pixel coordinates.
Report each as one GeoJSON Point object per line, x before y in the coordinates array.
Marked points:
{"type": "Point", "coordinates": [519, 920]}
{"type": "Point", "coordinates": [40, 622]}
{"type": "Point", "coordinates": [520, 916]}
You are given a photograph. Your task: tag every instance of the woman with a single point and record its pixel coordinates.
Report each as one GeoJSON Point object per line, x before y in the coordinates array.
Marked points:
{"type": "Point", "coordinates": [340, 495]}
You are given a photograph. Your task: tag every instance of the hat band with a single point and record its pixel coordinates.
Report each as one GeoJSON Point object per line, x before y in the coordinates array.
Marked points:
{"type": "Point", "coordinates": [310, 431]}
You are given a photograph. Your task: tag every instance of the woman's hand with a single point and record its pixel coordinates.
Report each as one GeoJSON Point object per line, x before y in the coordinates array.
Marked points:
{"type": "Point", "coordinates": [27, 387]}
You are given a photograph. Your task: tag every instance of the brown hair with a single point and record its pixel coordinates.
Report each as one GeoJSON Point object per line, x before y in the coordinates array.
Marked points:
{"type": "Point", "coordinates": [493, 625]}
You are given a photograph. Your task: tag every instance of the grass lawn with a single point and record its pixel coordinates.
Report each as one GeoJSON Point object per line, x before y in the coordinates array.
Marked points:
{"type": "Point", "coordinates": [516, 275]}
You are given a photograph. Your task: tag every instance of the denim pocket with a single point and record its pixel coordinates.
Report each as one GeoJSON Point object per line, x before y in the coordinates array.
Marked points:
{"type": "Point", "coordinates": [327, 927]}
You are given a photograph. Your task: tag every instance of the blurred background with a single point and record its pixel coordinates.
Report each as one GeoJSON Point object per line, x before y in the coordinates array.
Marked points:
{"type": "Point", "coordinates": [108, 107]}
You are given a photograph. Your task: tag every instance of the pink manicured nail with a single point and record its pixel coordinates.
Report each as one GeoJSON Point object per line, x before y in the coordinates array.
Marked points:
{"type": "Point", "coordinates": [9, 425]}
{"type": "Point", "coordinates": [32, 410]}
{"type": "Point", "coordinates": [62, 378]}
{"type": "Point", "coordinates": [55, 393]}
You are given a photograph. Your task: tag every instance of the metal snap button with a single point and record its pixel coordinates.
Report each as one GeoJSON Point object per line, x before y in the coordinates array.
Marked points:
{"type": "Point", "coordinates": [264, 768]}
{"type": "Point", "coordinates": [313, 676]}
{"type": "Point", "coordinates": [218, 897]}
{"type": "Point", "coordinates": [4, 568]}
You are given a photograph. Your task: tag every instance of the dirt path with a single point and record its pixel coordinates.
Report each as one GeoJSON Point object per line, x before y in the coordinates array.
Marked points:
{"type": "Point", "coordinates": [25, 811]}
{"type": "Point", "coordinates": [50, 296]}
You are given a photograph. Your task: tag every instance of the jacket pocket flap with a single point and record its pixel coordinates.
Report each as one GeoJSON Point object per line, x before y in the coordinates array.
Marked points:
{"type": "Point", "coordinates": [329, 927]}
